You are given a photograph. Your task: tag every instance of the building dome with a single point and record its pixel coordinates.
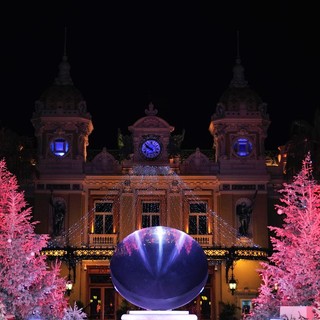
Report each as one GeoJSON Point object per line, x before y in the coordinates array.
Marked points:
{"type": "Point", "coordinates": [66, 97]}
{"type": "Point", "coordinates": [236, 98]}
{"type": "Point", "coordinates": [62, 97]}
{"type": "Point", "coordinates": [239, 99]}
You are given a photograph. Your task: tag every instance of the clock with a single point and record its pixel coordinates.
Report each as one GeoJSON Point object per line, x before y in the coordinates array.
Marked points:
{"type": "Point", "coordinates": [151, 148]}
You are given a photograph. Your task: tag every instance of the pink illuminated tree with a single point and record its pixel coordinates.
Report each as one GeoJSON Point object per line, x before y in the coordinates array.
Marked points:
{"type": "Point", "coordinates": [29, 287]}
{"type": "Point", "coordinates": [292, 276]}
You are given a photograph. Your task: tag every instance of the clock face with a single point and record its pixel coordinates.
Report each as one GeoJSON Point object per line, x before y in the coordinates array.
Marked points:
{"type": "Point", "coordinates": [151, 148]}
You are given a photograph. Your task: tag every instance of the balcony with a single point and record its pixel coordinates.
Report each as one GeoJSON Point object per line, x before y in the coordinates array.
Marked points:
{"type": "Point", "coordinates": [205, 240]}
{"type": "Point", "coordinates": [102, 240]}
{"type": "Point", "coordinates": [111, 240]}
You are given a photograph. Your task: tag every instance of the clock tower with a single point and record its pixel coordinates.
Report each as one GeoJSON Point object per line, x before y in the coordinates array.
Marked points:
{"type": "Point", "coordinates": [150, 136]}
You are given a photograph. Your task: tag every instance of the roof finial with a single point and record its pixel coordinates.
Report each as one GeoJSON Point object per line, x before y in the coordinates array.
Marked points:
{"type": "Point", "coordinates": [151, 111]}
{"type": "Point", "coordinates": [65, 42]}
{"type": "Point", "coordinates": [238, 45]}
{"type": "Point", "coordinates": [238, 79]}
{"type": "Point", "coordinates": [64, 77]}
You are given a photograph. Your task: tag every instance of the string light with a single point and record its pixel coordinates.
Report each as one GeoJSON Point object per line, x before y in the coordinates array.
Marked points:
{"type": "Point", "coordinates": [149, 177]}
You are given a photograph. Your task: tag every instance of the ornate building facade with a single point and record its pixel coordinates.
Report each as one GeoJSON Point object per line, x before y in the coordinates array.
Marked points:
{"type": "Point", "coordinates": [223, 198]}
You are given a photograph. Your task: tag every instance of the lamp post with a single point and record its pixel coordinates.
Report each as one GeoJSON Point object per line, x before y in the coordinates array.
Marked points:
{"type": "Point", "coordinates": [71, 262]}
{"type": "Point", "coordinates": [69, 284]}
{"type": "Point", "coordinates": [232, 282]}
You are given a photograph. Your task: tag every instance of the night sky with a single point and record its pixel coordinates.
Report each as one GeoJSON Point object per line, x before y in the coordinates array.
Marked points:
{"type": "Point", "coordinates": [177, 54]}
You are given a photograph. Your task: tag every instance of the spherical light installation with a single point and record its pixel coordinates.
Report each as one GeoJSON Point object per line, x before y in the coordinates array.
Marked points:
{"type": "Point", "coordinates": [159, 268]}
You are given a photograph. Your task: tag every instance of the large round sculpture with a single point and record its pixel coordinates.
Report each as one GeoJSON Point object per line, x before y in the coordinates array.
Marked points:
{"type": "Point", "coordinates": [159, 268]}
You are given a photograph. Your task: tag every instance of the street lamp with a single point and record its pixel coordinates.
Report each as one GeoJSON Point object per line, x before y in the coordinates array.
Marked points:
{"type": "Point", "coordinates": [232, 282]}
{"type": "Point", "coordinates": [69, 285]}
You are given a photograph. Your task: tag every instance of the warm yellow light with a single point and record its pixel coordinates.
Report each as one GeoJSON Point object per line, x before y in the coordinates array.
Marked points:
{"type": "Point", "coordinates": [69, 285]}
{"type": "Point", "coordinates": [232, 285]}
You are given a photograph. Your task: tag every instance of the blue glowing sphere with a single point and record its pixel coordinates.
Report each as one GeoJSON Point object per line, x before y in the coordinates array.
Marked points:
{"type": "Point", "coordinates": [159, 268]}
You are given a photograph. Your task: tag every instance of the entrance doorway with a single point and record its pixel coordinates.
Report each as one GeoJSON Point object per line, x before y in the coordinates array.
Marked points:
{"type": "Point", "coordinates": [101, 294]}
{"type": "Point", "coordinates": [102, 303]}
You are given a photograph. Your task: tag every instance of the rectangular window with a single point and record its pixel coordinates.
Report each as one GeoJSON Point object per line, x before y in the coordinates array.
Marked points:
{"type": "Point", "coordinates": [150, 214]}
{"type": "Point", "coordinates": [103, 217]}
{"type": "Point", "coordinates": [198, 221]}
{"type": "Point", "coordinates": [246, 306]}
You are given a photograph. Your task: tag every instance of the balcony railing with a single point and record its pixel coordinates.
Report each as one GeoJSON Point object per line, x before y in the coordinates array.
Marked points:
{"type": "Point", "coordinates": [102, 240]}
{"type": "Point", "coordinates": [111, 240]}
{"type": "Point", "coordinates": [205, 240]}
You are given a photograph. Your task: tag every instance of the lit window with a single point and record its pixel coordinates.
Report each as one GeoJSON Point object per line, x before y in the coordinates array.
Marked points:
{"type": "Point", "coordinates": [59, 147]}
{"type": "Point", "coordinates": [103, 217]}
{"type": "Point", "coordinates": [198, 218]}
{"type": "Point", "coordinates": [150, 214]}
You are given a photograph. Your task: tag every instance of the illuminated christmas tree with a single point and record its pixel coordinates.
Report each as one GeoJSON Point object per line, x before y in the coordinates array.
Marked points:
{"type": "Point", "coordinates": [29, 287]}
{"type": "Point", "coordinates": [292, 276]}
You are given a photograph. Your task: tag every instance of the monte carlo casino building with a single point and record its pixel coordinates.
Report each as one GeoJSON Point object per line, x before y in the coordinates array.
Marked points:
{"type": "Point", "coordinates": [89, 202]}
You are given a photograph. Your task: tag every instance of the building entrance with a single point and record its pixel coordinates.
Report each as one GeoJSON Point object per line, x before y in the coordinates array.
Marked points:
{"type": "Point", "coordinates": [102, 303]}
{"type": "Point", "coordinates": [102, 295]}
